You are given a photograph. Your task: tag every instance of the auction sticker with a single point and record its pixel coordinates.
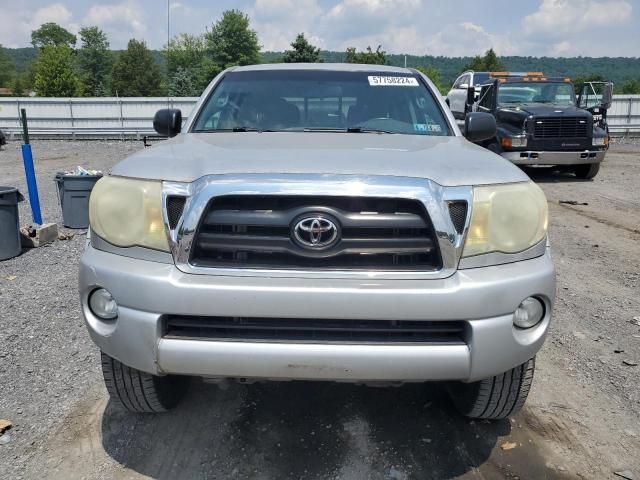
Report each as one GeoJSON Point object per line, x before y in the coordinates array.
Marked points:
{"type": "Point", "coordinates": [377, 81]}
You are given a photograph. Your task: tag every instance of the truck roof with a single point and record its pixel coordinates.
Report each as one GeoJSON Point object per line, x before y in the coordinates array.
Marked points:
{"type": "Point", "coordinates": [338, 67]}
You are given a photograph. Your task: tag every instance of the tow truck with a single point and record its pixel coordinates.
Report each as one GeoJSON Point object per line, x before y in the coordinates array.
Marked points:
{"type": "Point", "coordinates": [540, 121]}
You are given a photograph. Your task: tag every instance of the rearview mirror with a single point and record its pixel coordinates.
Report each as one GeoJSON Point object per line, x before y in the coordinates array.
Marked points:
{"type": "Point", "coordinates": [168, 121]}
{"type": "Point", "coordinates": [463, 86]}
{"type": "Point", "coordinates": [607, 96]}
{"type": "Point", "coordinates": [479, 126]}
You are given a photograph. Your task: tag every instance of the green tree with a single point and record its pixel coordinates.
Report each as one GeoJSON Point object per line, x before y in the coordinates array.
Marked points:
{"type": "Point", "coordinates": [18, 86]}
{"type": "Point", "coordinates": [94, 62]}
{"type": "Point", "coordinates": [487, 63]}
{"type": "Point", "coordinates": [52, 34]}
{"type": "Point", "coordinates": [231, 42]}
{"type": "Point", "coordinates": [303, 52]}
{"type": "Point", "coordinates": [135, 74]}
{"type": "Point", "coordinates": [186, 57]}
{"type": "Point", "coordinates": [631, 87]}
{"type": "Point", "coordinates": [185, 51]}
{"type": "Point", "coordinates": [55, 74]}
{"type": "Point", "coordinates": [7, 68]}
{"type": "Point", "coordinates": [435, 77]}
{"type": "Point", "coordinates": [379, 57]}
{"type": "Point", "coordinates": [181, 84]}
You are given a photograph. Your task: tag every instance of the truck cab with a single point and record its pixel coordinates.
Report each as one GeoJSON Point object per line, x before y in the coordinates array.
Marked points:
{"type": "Point", "coordinates": [540, 122]}
{"type": "Point", "coordinates": [457, 96]}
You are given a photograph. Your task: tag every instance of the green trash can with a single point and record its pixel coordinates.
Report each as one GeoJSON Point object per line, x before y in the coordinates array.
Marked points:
{"type": "Point", "coordinates": [73, 195]}
{"type": "Point", "coordinates": [9, 223]}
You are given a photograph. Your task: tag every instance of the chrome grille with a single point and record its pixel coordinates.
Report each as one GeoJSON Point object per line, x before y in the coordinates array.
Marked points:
{"type": "Point", "coordinates": [254, 231]}
{"type": "Point", "coordinates": [560, 127]}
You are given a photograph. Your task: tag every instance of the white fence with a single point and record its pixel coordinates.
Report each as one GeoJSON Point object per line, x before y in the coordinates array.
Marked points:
{"type": "Point", "coordinates": [87, 117]}
{"type": "Point", "coordinates": [624, 115]}
{"type": "Point", "coordinates": [113, 117]}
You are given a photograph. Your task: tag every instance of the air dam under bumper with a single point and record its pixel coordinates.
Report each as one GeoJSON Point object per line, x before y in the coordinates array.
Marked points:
{"type": "Point", "coordinates": [555, 158]}
{"type": "Point", "coordinates": [483, 297]}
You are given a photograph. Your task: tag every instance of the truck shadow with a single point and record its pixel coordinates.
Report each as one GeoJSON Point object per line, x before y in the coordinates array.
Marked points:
{"type": "Point", "coordinates": [552, 175]}
{"type": "Point", "coordinates": [303, 430]}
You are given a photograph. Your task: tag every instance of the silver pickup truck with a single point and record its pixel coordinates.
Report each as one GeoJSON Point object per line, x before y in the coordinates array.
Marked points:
{"type": "Point", "coordinates": [318, 222]}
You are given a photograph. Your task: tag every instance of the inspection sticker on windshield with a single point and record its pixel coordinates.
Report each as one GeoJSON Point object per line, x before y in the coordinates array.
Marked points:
{"type": "Point", "coordinates": [376, 81]}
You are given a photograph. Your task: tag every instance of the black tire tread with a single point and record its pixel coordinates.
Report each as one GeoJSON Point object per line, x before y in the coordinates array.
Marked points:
{"type": "Point", "coordinates": [496, 397]}
{"type": "Point", "coordinates": [139, 391]}
{"type": "Point", "coordinates": [586, 171]}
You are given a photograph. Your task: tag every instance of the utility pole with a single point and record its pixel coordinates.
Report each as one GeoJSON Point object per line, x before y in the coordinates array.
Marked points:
{"type": "Point", "coordinates": [168, 46]}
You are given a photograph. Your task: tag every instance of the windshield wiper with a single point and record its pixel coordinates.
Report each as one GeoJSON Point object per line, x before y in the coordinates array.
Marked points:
{"type": "Point", "coordinates": [358, 129]}
{"type": "Point", "coordinates": [251, 129]}
{"type": "Point", "coordinates": [236, 129]}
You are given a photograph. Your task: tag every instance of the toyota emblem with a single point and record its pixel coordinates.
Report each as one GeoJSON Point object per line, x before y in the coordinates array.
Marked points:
{"type": "Point", "coordinates": [315, 232]}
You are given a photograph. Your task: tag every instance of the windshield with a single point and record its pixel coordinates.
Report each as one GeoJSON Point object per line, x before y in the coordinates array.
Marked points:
{"type": "Point", "coordinates": [314, 100]}
{"type": "Point", "coordinates": [480, 78]}
{"type": "Point", "coordinates": [536, 92]}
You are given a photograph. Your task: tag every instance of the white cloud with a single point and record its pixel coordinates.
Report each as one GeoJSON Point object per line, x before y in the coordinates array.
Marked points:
{"type": "Point", "coordinates": [467, 38]}
{"type": "Point", "coordinates": [16, 25]}
{"type": "Point", "coordinates": [349, 22]}
{"type": "Point", "coordinates": [377, 8]}
{"type": "Point", "coordinates": [556, 27]}
{"type": "Point", "coordinates": [279, 21]}
{"type": "Point", "coordinates": [557, 18]}
{"type": "Point", "coordinates": [120, 21]}
{"type": "Point", "coordinates": [55, 12]}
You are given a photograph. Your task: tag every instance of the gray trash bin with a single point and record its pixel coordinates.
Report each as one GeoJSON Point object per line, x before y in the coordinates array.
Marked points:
{"type": "Point", "coordinates": [73, 194]}
{"type": "Point", "coordinates": [9, 222]}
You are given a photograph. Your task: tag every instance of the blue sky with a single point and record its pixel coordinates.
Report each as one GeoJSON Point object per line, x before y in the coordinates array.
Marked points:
{"type": "Point", "coordinates": [452, 27]}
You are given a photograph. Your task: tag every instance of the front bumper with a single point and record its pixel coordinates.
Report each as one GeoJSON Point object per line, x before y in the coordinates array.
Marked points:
{"type": "Point", "coordinates": [482, 297]}
{"type": "Point", "coordinates": [554, 158]}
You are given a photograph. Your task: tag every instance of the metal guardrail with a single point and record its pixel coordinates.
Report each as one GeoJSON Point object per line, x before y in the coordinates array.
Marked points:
{"type": "Point", "coordinates": [81, 133]}
{"type": "Point", "coordinates": [94, 117]}
{"type": "Point", "coordinates": [132, 117]}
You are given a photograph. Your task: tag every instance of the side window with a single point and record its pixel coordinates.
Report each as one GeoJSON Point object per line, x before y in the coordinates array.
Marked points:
{"type": "Point", "coordinates": [461, 79]}
{"type": "Point", "coordinates": [465, 79]}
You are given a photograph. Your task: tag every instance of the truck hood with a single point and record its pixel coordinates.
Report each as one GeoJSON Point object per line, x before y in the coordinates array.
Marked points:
{"type": "Point", "coordinates": [548, 110]}
{"type": "Point", "coordinates": [449, 161]}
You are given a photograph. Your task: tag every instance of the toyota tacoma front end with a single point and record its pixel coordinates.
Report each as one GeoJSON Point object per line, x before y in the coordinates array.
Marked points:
{"type": "Point", "coordinates": [319, 222]}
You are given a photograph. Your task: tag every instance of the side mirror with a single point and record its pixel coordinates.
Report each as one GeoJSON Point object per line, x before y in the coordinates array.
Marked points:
{"type": "Point", "coordinates": [479, 126]}
{"type": "Point", "coordinates": [168, 121]}
{"type": "Point", "coordinates": [471, 96]}
{"type": "Point", "coordinates": [463, 86]}
{"type": "Point", "coordinates": [607, 96]}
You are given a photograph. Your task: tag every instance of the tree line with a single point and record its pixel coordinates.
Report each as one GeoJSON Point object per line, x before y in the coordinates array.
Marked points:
{"type": "Point", "coordinates": [66, 66]}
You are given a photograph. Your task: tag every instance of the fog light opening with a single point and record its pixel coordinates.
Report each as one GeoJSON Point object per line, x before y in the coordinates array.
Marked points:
{"type": "Point", "coordinates": [529, 313]}
{"type": "Point", "coordinates": [103, 305]}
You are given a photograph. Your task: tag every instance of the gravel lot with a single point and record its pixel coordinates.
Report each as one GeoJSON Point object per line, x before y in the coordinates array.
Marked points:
{"type": "Point", "coordinates": [582, 419]}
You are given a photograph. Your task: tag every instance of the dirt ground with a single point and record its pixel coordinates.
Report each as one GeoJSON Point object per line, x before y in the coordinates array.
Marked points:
{"type": "Point", "coordinates": [582, 419]}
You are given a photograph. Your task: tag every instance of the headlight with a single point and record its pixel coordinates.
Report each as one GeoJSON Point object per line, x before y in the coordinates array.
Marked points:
{"type": "Point", "coordinates": [127, 212]}
{"type": "Point", "coordinates": [599, 141]}
{"type": "Point", "coordinates": [506, 218]}
{"type": "Point", "coordinates": [515, 141]}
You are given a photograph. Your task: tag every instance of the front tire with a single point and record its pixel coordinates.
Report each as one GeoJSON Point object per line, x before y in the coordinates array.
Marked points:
{"type": "Point", "coordinates": [496, 397]}
{"type": "Point", "coordinates": [586, 171]}
{"type": "Point", "coordinates": [139, 391]}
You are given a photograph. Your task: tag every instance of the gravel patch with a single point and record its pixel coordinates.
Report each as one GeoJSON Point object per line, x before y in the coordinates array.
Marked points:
{"type": "Point", "coordinates": [47, 360]}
